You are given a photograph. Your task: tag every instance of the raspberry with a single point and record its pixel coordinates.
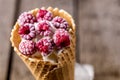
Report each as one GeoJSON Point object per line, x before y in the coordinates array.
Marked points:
{"type": "Point", "coordinates": [45, 45]}
{"type": "Point", "coordinates": [61, 38]}
{"type": "Point", "coordinates": [27, 31]}
{"type": "Point", "coordinates": [59, 22]}
{"type": "Point", "coordinates": [43, 28]}
{"type": "Point", "coordinates": [26, 18]}
{"type": "Point", "coordinates": [27, 47]}
{"type": "Point", "coordinates": [44, 15]}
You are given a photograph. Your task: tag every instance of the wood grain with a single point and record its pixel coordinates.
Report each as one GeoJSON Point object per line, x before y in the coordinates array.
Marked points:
{"type": "Point", "coordinates": [6, 17]}
{"type": "Point", "coordinates": [107, 77]}
{"type": "Point", "coordinates": [20, 71]}
{"type": "Point", "coordinates": [100, 36]}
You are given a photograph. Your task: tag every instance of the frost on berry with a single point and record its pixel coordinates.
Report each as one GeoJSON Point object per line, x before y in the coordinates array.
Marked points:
{"type": "Point", "coordinates": [43, 28]}
{"type": "Point", "coordinates": [27, 47]}
{"type": "Point", "coordinates": [60, 22]}
{"type": "Point", "coordinates": [61, 38]}
{"type": "Point", "coordinates": [27, 31]}
{"type": "Point", "coordinates": [26, 18]}
{"type": "Point", "coordinates": [45, 45]}
{"type": "Point", "coordinates": [44, 15]}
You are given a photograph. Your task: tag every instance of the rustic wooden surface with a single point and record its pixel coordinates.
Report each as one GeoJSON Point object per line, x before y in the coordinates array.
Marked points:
{"type": "Point", "coordinates": [6, 15]}
{"type": "Point", "coordinates": [98, 26]}
{"type": "Point", "coordinates": [100, 37]}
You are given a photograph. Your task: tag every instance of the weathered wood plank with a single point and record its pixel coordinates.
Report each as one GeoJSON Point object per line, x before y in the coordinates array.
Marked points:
{"type": "Point", "coordinates": [20, 71]}
{"type": "Point", "coordinates": [76, 19]}
{"type": "Point", "coordinates": [6, 18]}
{"type": "Point", "coordinates": [107, 78]}
{"type": "Point", "coordinates": [100, 35]}
{"type": "Point", "coordinates": [62, 4]}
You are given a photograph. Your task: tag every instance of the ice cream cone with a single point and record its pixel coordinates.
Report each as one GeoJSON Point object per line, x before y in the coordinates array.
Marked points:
{"type": "Point", "coordinates": [63, 69]}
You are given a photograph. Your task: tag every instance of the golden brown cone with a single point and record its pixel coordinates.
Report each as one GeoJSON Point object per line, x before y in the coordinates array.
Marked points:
{"type": "Point", "coordinates": [45, 70]}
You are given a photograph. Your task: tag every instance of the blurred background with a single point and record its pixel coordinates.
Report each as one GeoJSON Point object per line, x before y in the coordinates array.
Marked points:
{"type": "Point", "coordinates": [98, 35]}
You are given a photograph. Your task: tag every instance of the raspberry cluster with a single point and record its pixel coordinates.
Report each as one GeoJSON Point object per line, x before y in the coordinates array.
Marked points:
{"type": "Point", "coordinates": [45, 45]}
{"type": "Point", "coordinates": [51, 30]}
{"type": "Point", "coordinates": [27, 31]}
{"type": "Point", "coordinates": [27, 47]}
{"type": "Point", "coordinates": [26, 17]}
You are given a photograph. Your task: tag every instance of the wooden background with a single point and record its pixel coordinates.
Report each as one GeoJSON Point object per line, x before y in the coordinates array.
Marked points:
{"type": "Point", "coordinates": [98, 35]}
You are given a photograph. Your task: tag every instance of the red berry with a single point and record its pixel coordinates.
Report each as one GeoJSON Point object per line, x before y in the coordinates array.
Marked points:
{"type": "Point", "coordinates": [27, 31]}
{"type": "Point", "coordinates": [44, 15]}
{"type": "Point", "coordinates": [45, 45]}
{"type": "Point", "coordinates": [59, 22]}
{"type": "Point", "coordinates": [26, 18]}
{"type": "Point", "coordinates": [27, 47]}
{"type": "Point", "coordinates": [43, 28]}
{"type": "Point", "coordinates": [61, 38]}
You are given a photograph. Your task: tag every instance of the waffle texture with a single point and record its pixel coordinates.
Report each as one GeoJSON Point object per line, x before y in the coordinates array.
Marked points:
{"type": "Point", "coordinates": [45, 70]}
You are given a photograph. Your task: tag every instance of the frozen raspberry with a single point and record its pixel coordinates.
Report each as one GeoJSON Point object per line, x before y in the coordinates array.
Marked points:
{"type": "Point", "coordinates": [27, 47]}
{"type": "Point", "coordinates": [44, 15]}
{"type": "Point", "coordinates": [43, 28]}
{"type": "Point", "coordinates": [59, 22]}
{"type": "Point", "coordinates": [27, 31]}
{"type": "Point", "coordinates": [26, 18]}
{"type": "Point", "coordinates": [45, 45]}
{"type": "Point", "coordinates": [61, 38]}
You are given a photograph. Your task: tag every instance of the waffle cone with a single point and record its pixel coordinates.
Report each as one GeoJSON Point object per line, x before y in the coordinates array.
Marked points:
{"type": "Point", "coordinates": [45, 70]}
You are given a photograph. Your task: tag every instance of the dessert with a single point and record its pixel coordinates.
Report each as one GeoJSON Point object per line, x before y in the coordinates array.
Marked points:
{"type": "Point", "coordinates": [45, 40]}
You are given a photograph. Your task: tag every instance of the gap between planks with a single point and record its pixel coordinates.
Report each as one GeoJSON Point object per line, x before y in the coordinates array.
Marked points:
{"type": "Point", "coordinates": [11, 50]}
